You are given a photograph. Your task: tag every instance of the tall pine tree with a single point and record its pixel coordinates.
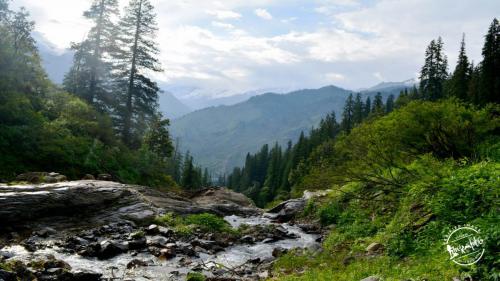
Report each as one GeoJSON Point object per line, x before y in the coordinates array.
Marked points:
{"type": "Point", "coordinates": [459, 82]}
{"type": "Point", "coordinates": [90, 75]}
{"type": "Point", "coordinates": [434, 72]}
{"type": "Point", "coordinates": [489, 88]}
{"type": "Point", "coordinates": [136, 58]}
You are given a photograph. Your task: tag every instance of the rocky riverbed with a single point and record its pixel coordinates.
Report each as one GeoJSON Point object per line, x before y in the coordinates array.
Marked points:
{"type": "Point", "coordinates": [98, 230]}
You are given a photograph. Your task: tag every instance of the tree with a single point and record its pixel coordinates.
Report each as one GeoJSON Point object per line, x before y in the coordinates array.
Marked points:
{"type": "Point", "coordinates": [378, 107]}
{"type": "Point", "coordinates": [191, 178]}
{"type": "Point", "coordinates": [489, 88]}
{"type": "Point", "coordinates": [136, 58]}
{"type": "Point", "coordinates": [459, 82]}
{"type": "Point", "coordinates": [358, 110]}
{"type": "Point", "coordinates": [348, 115]}
{"type": "Point", "coordinates": [434, 72]}
{"type": "Point", "coordinates": [368, 107]}
{"type": "Point", "coordinates": [90, 75]}
{"type": "Point", "coordinates": [158, 139]}
{"type": "Point", "coordinates": [389, 104]}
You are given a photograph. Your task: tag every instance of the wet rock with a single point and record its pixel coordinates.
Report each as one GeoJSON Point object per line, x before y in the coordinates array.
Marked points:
{"type": "Point", "coordinates": [287, 210]}
{"type": "Point", "coordinates": [46, 232]}
{"type": "Point", "coordinates": [310, 228]}
{"type": "Point", "coordinates": [153, 229]}
{"type": "Point", "coordinates": [374, 248]}
{"type": "Point", "coordinates": [165, 231]}
{"type": "Point", "coordinates": [136, 263]}
{"type": "Point", "coordinates": [247, 239]}
{"type": "Point", "coordinates": [88, 177]}
{"type": "Point", "coordinates": [7, 275]}
{"type": "Point", "coordinates": [86, 276]}
{"type": "Point", "coordinates": [137, 244]}
{"type": "Point", "coordinates": [109, 249]}
{"type": "Point", "coordinates": [167, 253]}
{"type": "Point", "coordinates": [157, 241]}
{"type": "Point", "coordinates": [278, 252]}
{"type": "Point", "coordinates": [32, 177]}
{"type": "Point", "coordinates": [371, 278]}
{"type": "Point", "coordinates": [186, 249]}
{"type": "Point", "coordinates": [104, 177]}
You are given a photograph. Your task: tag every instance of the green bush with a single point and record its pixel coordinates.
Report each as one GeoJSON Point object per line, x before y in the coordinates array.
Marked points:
{"type": "Point", "coordinates": [195, 276]}
{"type": "Point", "coordinates": [208, 222]}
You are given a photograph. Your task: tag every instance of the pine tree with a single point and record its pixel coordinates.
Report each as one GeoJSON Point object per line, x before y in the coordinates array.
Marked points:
{"type": "Point", "coordinates": [90, 75]}
{"type": "Point", "coordinates": [358, 110]}
{"type": "Point", "coordinates": [348, 115]}
{"type": "Point", "coordinates": [434, 72]}
{"type": "Point", "coordinates": [378, 107]}
{"type": "Point", "coordinates": [136, 58]}
{"type": "Point", "coordinates": [459, 82]}
{"type": "Point", "coordinates": [157, 139]}
{"type": "Point", "coordinates": [389, 104]}
{"type": "Point", "coordinates": [489, 88]}
{"type": "Point", "coordinates": [473, 91]}
{"type": "Point", "coordinates": [368, 107]}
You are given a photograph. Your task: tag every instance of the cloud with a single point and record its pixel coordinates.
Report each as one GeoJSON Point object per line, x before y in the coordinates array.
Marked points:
{"type": "Point", "coordinates": [213, 44]}
{"type": "Point", "coordinates": [222, 25]}
{"type": "Point", "coordinates": [224, 14]}
{"type": "Point", "coordinates": [378, 75]}
{"type": "Point", "coordinates": [263, 13]}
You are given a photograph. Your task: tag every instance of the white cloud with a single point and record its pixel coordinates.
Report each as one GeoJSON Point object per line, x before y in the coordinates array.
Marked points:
{"type": "Point", "coordinates": [332, 76]}
{"type": "Point", "coordinates": [263, 13]}
{"type": "Point", "coordinates": [222, 25]}
{"type": "Point", "coordinates": [224, 14]}
{"type": "Point", "coordinates": [379, 76]}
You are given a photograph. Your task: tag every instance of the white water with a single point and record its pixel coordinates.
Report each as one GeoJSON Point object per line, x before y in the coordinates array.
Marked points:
{"type": "Point", "coordinates": [174, 269]}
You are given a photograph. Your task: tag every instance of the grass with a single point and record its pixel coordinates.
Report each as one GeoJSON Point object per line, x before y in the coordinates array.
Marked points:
{"type": "Point", "coordinates": [185, 226]}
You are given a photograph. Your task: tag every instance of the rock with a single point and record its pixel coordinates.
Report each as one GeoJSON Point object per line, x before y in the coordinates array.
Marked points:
{"type": "Point", "coordinates": [165, 231]}
{"type": "Point", "coordinates": [104, 177]}
{"type": "Point", "coordinates": [7, 275]}
{"type": "Point", "coordinates": [371, 278]}
{"type": "Point", "coordinates": [186, 249]}
{"type": "Point", "coordinates": [310, 228]}
{"type": "Point", "coordinates": [153, 229]}
{"type": "Point", "coordinates": [55, 271]}
{"type": "Point", "coordinates": [136, 263]}
{"type": "Point", "coordinates": [158, 241]}
{"type": "Point", "coordinates": [287, 210]}
{"type": "Point", "coordinates": [32, 177]}
{"type": "Point", "coordinates": [247, 239]}
{"type": "Point", "coordinates": [137, 244]}
{"type": "Point", "coordinates": [278, 252]}
{"type": "Point", "coordinates": [88, 177]}
{"type": "Point", "coordinates": [109, 249]}
{"type": "Point", "coordinates": [167, 253]}
{"type": "Point", "coordinates": [348, 260]}
{"type": "Point", "coordinates": [86, 276]}
{"type": "Point", "coordinates": [46, 232]}
{"type": "Point", "coordinates": [225, 202]}
{"type": "Point", "coordinates": [374, 248]}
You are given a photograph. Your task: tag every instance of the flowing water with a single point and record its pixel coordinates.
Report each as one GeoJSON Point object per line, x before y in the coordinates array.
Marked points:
{"type": "Point", "coordinates": [176, 268]}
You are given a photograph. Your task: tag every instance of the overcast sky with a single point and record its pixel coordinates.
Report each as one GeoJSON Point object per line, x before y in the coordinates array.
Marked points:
{"type": "Point", "coordinates": [243, 45]}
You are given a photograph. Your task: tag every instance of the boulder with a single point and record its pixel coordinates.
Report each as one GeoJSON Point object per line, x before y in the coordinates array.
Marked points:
{"type": "Point", "coordinates": [374, 248]}
{"type": "Point", "coordinates": [109, 249]}
{"type": "Point", "coordinates": [104, 177]}
{"type": "Point", "coordinates": [278, 252]}
{"type": "Point", "coordinates": [88, 177]}
{"type": "Point", "coordinates": [7, 275]}
{"type": "Point", "coordinates": [136, 263]}
{"type": "Point", "coordinates": [287, 210]}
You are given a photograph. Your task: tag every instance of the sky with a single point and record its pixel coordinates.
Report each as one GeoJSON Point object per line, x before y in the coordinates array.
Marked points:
{"type": "Point", "coordinates": [226, 47]}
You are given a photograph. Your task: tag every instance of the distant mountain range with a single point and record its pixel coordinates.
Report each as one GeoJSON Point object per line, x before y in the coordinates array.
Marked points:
{"type": "Point", "coordinates": [220, 137]}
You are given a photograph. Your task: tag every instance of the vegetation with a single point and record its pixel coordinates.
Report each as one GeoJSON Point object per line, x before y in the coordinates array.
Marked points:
{"type": "Point", "coordinates": [405, 179]}
{"type": "Point", "coordinates": [186, 225]}
{"type": "Point", "coordinates": [44, 127]}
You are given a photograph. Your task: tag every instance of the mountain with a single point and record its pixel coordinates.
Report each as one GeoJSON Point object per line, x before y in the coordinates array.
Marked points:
{"type": "Point", "coordinates": [220, 137]}
{"type": "Point", "coordinates": [199, 98]}
{"type": "Point", "coordinates": [392, 86]}
{"type": "Point", "coordinates": [171, 107]}
{"type": "Point", "coordinates": [56, 62]}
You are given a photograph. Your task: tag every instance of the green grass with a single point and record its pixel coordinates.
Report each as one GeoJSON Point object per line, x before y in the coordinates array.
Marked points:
{"type": "Point", "coordinates": [187, 225]}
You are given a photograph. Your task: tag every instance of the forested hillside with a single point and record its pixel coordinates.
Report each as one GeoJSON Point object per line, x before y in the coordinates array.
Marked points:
{"type": "Point", "coordinates": [105, 120]}
{"type": "Point", "coordinates": [220, 137]}
{"type": "Point", "coordinates": [400, 181]}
